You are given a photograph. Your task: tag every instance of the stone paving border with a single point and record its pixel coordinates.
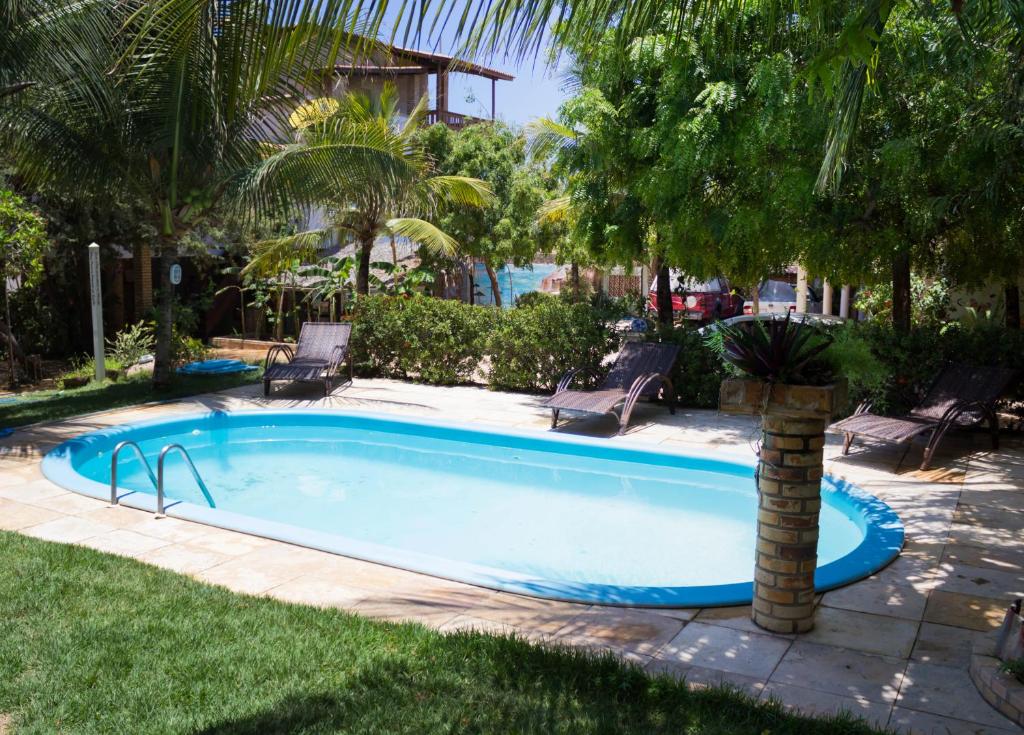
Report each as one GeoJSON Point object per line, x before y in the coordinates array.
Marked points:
{"type": "Point", "coordinates": [1000, 689]}
{"type": "Point", "coordinates": [894, 648]}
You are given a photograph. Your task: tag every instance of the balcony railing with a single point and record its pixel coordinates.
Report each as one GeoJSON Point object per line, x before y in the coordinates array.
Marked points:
{"type": "Point", "coordinates": [454, 120]}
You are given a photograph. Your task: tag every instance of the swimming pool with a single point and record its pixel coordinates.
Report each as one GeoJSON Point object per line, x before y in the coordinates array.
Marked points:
{"type": "Point", "coordinates": [543, 514]}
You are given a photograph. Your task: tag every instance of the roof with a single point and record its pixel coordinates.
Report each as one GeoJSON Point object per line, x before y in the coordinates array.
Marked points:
{"type": "Point", "coordinates": [437, 62]}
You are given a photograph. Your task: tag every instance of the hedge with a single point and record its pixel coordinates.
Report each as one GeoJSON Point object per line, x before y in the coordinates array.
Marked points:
{"type": "Point", "coordinates": [447, 342]}
{"type": "Point", "coordinates": [433, 340]}
{"type": "Point", "coordinates": [530, 347]}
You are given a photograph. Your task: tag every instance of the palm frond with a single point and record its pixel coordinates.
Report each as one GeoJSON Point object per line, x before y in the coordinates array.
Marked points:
{"type": "Point", "coordinates": [269, 257]}
{"type": "Point", "coordinates": [423, 232]}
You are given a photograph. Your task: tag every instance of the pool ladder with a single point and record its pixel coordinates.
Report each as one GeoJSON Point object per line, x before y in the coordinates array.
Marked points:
{"type": "Point", "coordinates": [158, 478]}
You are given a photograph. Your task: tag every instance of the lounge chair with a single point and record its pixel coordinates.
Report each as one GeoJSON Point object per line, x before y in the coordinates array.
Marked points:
{"type": "Point", "coordinates": [961, 396]}
{"type": "Point", "coordinates": [641, 369]}
{"type": "Point", "coordinates": [321, 349]}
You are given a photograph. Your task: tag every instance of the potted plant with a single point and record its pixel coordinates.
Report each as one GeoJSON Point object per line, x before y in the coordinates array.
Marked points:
{"type": "Point", "coordinates": [780, 374]}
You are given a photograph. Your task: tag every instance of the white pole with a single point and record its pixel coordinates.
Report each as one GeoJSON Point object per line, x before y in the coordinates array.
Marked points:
{"type": "Point", "coordinates": [96, 298]}
{"type": "Point", "coordinates": [844, 302]}
{"type": "Point", "coordinates": [801, 290]}
{"type": "Point", "coordinates": [826, 298]}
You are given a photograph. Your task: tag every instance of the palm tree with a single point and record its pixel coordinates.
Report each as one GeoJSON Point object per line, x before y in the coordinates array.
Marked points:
{"type": "Point", "coordinates": [363, 208]}
{"type": "Point", "coordinates": [173, 101]}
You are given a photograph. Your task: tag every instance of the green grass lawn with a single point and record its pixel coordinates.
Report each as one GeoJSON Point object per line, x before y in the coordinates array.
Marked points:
{"type": "Point", "coordinates": [53, 404]}
{"type": "Point", "coordinates": [93, 643]}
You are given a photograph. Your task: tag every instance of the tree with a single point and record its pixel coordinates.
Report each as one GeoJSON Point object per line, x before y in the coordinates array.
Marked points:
{"type": "Point", "coordinates": [933, 182]}
{"type": "Point", "coordinates": [23, 241]}
{"type": "Point", "coordinates": [702, 160]}
{"type": "Point", "coordinates": [363, 207]}
{"type": "Point", "coordinates": [506, 230]}
{"type": "Point", "coordinates": [172, 101]}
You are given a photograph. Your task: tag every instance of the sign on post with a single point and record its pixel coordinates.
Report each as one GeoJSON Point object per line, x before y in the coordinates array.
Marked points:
{"type": "Point", "coordinates": [175, 274]}
{"type": "Point", "coordinates": [96, 300]}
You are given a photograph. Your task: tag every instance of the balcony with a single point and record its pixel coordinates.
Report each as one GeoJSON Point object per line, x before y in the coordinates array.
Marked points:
{"type": "Point", "coordinates": [454, 120]}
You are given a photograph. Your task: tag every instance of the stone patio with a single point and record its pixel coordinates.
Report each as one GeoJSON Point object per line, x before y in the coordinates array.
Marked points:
{"type": "Point", "coordinates": [894, 648]}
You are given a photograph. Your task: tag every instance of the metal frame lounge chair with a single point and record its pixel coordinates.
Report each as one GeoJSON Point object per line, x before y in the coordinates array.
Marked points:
{"type": "Point", "coordinates": [320, 351]}
{"type": "Point", "coordinates": [961, 396]}
{"type": "Point", "coordinates": [641, 369]}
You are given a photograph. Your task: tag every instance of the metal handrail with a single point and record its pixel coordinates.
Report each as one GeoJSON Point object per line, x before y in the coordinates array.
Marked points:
{"type": "Point", "coordinates": [113, 467]}
{"type": "Point", "coordinates": [160, 477]}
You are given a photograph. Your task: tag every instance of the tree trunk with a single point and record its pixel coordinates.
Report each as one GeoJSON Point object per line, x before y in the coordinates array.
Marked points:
{"type": "Point", "coordinates": [165, 320]}
{"type": "Point", "coordinates": [664, 295]}
{"type": "Point", "coordinates": [901, 292]}
{"type": "Point", "coordinates": [574, 279]}
{"type": "Point", "coordinates": [13, 383]}
{"type": "Point", "coordinates": [495, 288]}
{"type": "Point", "coordinates": [279, 325]}
{"type": "Point", "coordinates": [472, 282]}
{"type": "Point", "coordinates": [1012, 298]}
{"type": "Point", "coordinates": [363, 273]}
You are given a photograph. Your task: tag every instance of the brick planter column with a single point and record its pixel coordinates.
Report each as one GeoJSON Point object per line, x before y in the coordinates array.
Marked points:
{"type": "Point", "coordinates": [789, 500]}
{"type": "Point", "coordinates": [789, 472]}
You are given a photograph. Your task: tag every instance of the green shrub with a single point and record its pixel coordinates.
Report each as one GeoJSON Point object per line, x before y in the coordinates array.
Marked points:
{"type": "Point", "coordinates": [533, 346]}
{"type": "Point", "coordinates": [428, 339]}
{"type": "Point", "coordinates": [131, 343]}
{"type": "Point", "coordinates": [186, 349]}
{"type": "Point", "coordinates": [912, 360]}
{"type": "Point", "coordinates": [699, 369]}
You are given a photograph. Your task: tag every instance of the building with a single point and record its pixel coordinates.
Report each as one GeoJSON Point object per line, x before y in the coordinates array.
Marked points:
{"type": "Point", "coordinates": [411, 71]}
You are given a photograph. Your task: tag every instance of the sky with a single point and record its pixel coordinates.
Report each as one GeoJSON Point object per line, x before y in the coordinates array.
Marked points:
{"type": "Point", "coordinates": [536, 91]}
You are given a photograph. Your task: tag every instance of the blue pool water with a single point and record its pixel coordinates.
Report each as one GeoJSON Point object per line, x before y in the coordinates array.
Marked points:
{"type": "Point", "coordinates": [549, 515]}
{"type": "Point", "coordinates": [513, 282]}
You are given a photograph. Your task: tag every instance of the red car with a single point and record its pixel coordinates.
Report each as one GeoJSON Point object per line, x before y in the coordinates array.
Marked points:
{"type": "Point", "coordinates": [699, 300]}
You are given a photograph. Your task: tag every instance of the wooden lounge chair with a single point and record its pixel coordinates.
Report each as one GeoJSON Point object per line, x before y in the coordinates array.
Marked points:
{"type": "Point", "coordinates": [321, 349]}
{"type": "Point", "coordinates": [641, 369]}
{"type": "Point", "coordinates": [961, 396]}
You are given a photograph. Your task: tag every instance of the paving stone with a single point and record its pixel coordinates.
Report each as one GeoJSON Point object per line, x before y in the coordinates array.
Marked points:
{"type": "Point", "coordinates": [737, 618]}
{"type": "Point", "coordinates": [881, 634]}
{"type": "Point", "coordinates": [946, 691]}
{"type": "Point", "coordinates": [861, 676]}
{"type": "Point", "coordinates": [980, 581]}
{"type": "Point", "coordinates": [620, 629]}
{"type": "Point", "coordinates": [397, 609]}
{"type": "Point", "coordinates": [725, 649]}
{"type": "Point", "coordinates": [965, 611]}
{"type": "Point", "coordinates": [467, 623]}
{"type": "Point", "coordinates": [183, 558]}
{"type": "Point", "coordinates": [31, 491]}
{"type": "Point", "coordinates": [700, 676]}
{"type": "Point", "coordinates": [879, 597]}
{"type": "Point", "coordinates": [912, 722]}
{"type": "Point", "coordinates": [124, 543]}
{"type": "Point", "coordinates": [68, 503]}
{"type": "Point", "coordinates": [15, 516]}
{"type": "Point", "coordinates": [313, 590]}
{"type": "Point", "coordinates": [241, 577]}
{"type": "Point", "coordinates": [544, 616]}
{"type": "Point", "coordinates": [945, 644]}
{"type": "Point", "coordinates": [815, 702]}
{"type": "Point", "coordinates": [118, 516]}
{"type": "Point", "coordinates": [68, 529]}
{"type": "Point", "coordinates": [1007, 559]}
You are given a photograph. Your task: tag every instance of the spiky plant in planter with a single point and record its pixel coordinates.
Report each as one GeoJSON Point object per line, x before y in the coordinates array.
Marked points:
{"type": "Point", "coordinates": [782, 376]}
{"type": "Point", "coordinates": [777, 351]}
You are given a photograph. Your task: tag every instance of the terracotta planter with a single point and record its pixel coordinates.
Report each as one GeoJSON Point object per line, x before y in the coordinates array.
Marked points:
{"type": "Point", "coordinates": [789, 472]}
